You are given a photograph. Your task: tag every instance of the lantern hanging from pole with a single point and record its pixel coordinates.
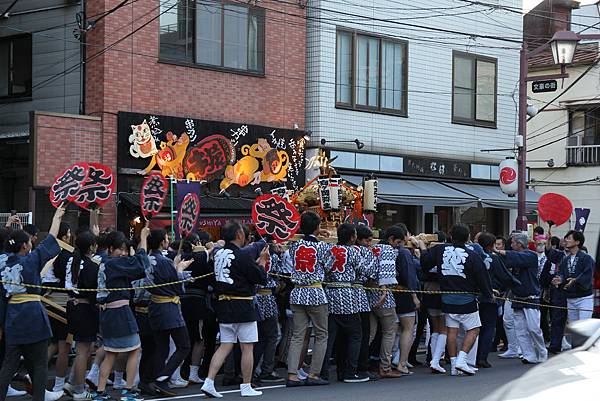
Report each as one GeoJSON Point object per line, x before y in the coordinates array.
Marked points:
{"type": "Point", "coordinates": [509, 182]}
{"type": "Point", "coordinates": [370, 195]}
{"type": "Point", "coordinates": [335, 193]}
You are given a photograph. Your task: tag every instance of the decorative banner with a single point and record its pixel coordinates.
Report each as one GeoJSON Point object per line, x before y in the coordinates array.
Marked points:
{"type": "Point", "coordinates": [272, 215]}
{"type": "Point", "coordinates": [554, 209]}
{"type": "Point", "coordinates": [281, 191]}
{"type": "Point", "coordinates": [509, 183]}
{"type": "Point", "coordinates": [153, 194]}
{"type": "Point", "coordinates": [581, 218]}
{"type": "Point", "coordinates": [208, 158]}
{"type": "Point", "coordinates": [324, 194]}
{"type": "Point", "coordinates": [98, 187]}
{"type": "Point", "coordinates": [188, 214]}
{"type": "Point", "coordinates": [67, 185]}
{"type": "Point", "coordinates": [370, 195]}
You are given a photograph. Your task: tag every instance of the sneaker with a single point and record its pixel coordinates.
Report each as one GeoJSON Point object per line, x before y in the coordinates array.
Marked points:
{"type": "Point", "coordinates": [179, 383]}
{"type": "Point", "coordinates": [246, 390]}
{"type": "Point", "coordinates": [148, 389]}
{"type": "Point", "coordinates": [53, 395]}
{"type": "Point", "coordinates": [163, 388]}
{"type": "Point", "coordinates": [509, 355]}
{"type": "Point", "coordinates": [271, 378]}
{"type": "Point", "coordinates": [119, 384]}
{"type": "Point", "coordinates": [130, 395]}
{"type": "Point", "coordinates": [86, 395]}
{"type": "Point", "coordinates": [11, 392]}
{"type": "Point", "coordinates": [373, 376]}
{"type": "Point", "coordinates": [462, 366]}
{"type": "Point", "coordinates": [92, 382]}
{"type": "Point", "coordinates": [210, 391]}
{"type": "Point", "coordinates": [356, 378]}
{"type": "Point", "coordinates": [195, 379]}
{"type": "Point", "coordinates": [302, 375]}
{"type": "Point", "coordinates": [436, 368]}
{"type": "Point", "coordinates": [68, 389]}
{"type": "Point", "coordinates": [101, 397]}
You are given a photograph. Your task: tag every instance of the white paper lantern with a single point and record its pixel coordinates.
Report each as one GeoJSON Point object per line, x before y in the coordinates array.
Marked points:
{"type": "Point", "coordinates": [509, 176]}
{"type": "Point", "coordinates": [370, 195]}
{"type": "Point", "coordinates": [335, 193]}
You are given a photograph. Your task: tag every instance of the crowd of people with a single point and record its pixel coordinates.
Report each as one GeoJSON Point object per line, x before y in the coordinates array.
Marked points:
{"type": "Point", "coordinates": [141, 315]}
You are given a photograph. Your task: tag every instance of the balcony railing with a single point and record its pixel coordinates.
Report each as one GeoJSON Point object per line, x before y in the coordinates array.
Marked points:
{"type": "Point", "coordinates": [584, 155]}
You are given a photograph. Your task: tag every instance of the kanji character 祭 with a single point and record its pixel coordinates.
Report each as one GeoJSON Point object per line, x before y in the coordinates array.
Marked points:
{"type": "Point", "coordinates": [154, 191]}
{"type": "Point", "coordinates": [275, 216]}
{"type": "Point", "coordinates": [98, 187]}
{"type": "Point", "coordinates": [68, 184]}
{"type": "Point", "coordinates": [188, 214]}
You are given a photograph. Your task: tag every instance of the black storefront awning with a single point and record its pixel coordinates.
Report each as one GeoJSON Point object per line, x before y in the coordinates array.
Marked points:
{"type": "Point", "coordinates": [209, 205]}
{"type": "Point", "coordinates": [399, 191]}
{"type": "Point", "coordinates": [492, 196]}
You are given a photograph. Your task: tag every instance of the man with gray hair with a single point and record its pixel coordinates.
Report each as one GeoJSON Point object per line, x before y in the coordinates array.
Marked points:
{"type": "Point", "coordinates": [526, 299]}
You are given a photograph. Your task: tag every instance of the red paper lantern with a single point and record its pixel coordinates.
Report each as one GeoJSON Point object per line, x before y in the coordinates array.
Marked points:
{"type": "Point", "coordinates": [554, 208]}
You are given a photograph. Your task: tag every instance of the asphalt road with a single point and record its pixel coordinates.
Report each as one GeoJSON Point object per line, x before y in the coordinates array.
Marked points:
{"type": "Point", "coordinates": [422, 386]}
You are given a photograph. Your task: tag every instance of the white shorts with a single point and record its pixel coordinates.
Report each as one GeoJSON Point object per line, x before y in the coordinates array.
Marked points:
{"type": "Point", "coordinates": [244, 332]}
{"type": "Point", "coordinates": [467, 321]}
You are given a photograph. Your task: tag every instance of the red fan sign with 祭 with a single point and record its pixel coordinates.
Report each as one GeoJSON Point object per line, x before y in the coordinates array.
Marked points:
{"type": "Point", "coordinates": [188, 214]}
{"type": "Point", "coordinates": [153, 194]}
{"type": "Point", "coordinates": [554, 209]}
{"type": "Point", "coordinates": [98, 188]}
{"type": "Point", "coordinates": [272, 215]}
{"type": "Point", "coordinates": [68, 184]}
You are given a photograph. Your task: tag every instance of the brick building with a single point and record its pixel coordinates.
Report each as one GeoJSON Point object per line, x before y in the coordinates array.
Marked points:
{"type": "Point", "coordinates": [220, 65]}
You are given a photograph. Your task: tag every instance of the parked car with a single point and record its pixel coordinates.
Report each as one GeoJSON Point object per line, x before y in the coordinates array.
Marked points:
{"type": "Point", "coordinates": [572, 375]}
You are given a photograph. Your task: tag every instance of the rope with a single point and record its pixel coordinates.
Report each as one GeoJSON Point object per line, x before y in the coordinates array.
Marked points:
{"type": "Point", "coordinates": [192, 279]}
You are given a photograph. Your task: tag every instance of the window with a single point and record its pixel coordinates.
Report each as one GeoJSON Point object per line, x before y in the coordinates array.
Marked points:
{"type": "Point", "coordinates": [371, 73]}
{"type": "Point", "coordinates": [213, 33]}
{"type": "Point", "coordinates": [583, 143]}
{"type": "Point", "coordinates": [474, 90]}
{"type": "Point", "coordinates": [15, 66]}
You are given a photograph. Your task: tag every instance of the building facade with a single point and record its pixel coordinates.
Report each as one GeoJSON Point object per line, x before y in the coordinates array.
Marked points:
{"type": "Point", "coordinates": [563, 139]}
{"type": "Point", "coordinates": [40, 57]}
{"type": "Point", "coordinates": [185, 71]}
{"type": "Point", "coordinates": [423, 99]}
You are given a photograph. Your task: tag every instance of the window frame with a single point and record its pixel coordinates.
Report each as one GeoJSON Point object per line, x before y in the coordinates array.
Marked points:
{"type": "Point", "coordinates": [10, 97]}
{"type": "Point", "coordinates": [474, 121]}
{"type": "Point", "coordinates": [403, 111]}
{"type": "Point", "coordinates": [261, 39]}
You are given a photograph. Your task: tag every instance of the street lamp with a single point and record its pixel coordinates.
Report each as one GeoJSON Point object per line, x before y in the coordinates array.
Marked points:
{"type": "Point", "coordinates": [563, 45]}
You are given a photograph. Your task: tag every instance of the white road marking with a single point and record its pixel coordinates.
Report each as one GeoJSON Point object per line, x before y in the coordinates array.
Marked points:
{"type": "Point", "coordinates": [180, 397]}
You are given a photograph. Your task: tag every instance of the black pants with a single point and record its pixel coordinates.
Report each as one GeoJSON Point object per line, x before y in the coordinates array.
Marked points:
{"type": "Point", "coordinates": [487, 314]}
{"type": "Point", "coordinates": [182, 348]}
{"type": "Point", "coordinates": [36, 360]}
{"type": "Point", "coordinates": [349, 326]}
{"type": "Point", "coordinates": [545, 320]}
{"type": "Point", "coordinates": [209, 333]}
{"type": "Point", "coordinates": [363, 356]}
{"type": "Point", "coordinates": [266, 347]}
{"type": "Point", "coordinates": [147, 371]}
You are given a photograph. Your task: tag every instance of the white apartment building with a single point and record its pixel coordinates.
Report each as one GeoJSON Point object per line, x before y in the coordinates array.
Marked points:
{"type": "Point", "coordinates": [424, 99]}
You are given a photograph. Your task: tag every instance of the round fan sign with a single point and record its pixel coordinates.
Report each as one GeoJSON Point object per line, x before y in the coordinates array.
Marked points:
{"type": "Point", "coordinates": [554, 209]}
{"type": "Point", "coordinates": [273, 215]}
{"type": "Point", "coordinates": [68, 184]}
